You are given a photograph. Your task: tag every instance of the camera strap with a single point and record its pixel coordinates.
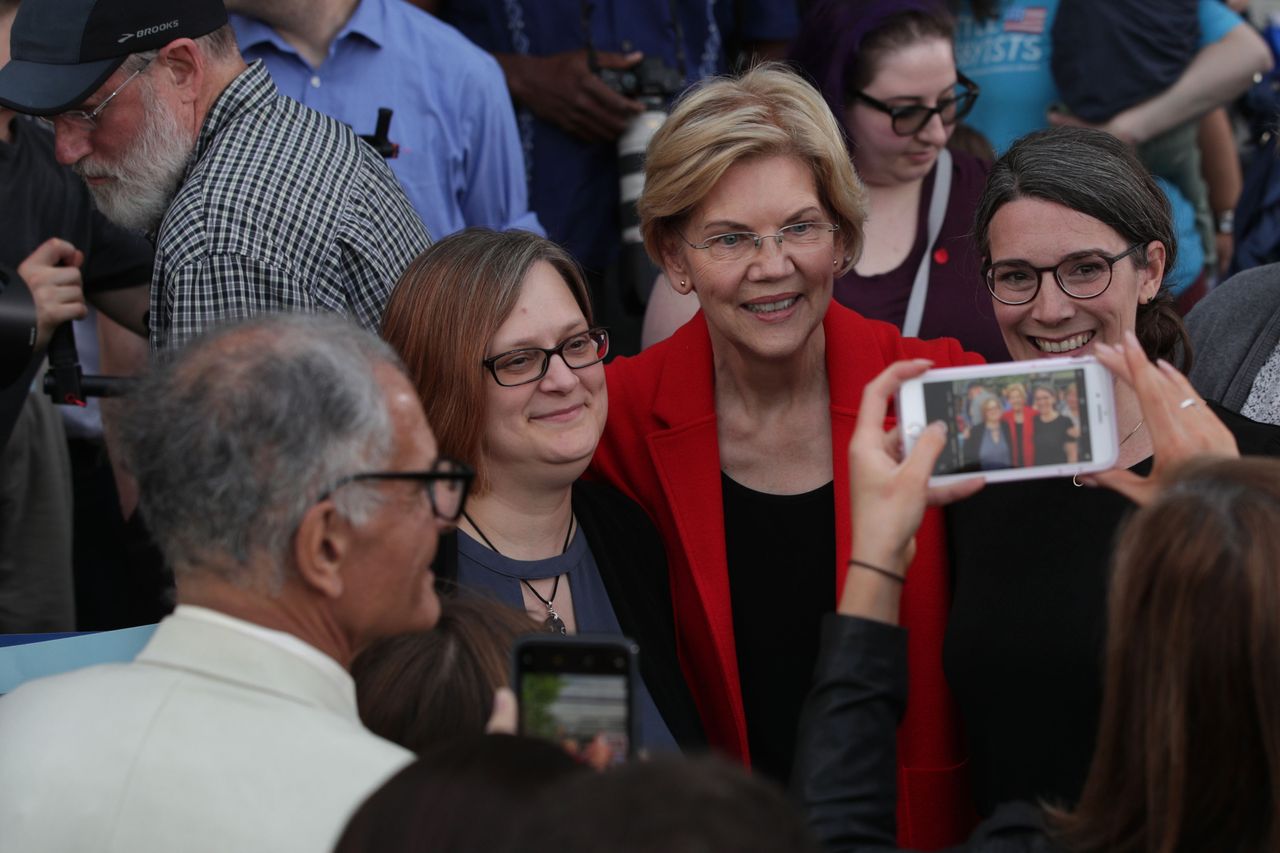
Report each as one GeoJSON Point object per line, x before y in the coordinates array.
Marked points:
{"type": "Point", "coordinates": [937, 212]}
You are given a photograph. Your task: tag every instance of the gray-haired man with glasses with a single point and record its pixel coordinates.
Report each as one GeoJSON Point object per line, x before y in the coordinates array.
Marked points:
{"type": "Point", "coordinates": [288, 474]}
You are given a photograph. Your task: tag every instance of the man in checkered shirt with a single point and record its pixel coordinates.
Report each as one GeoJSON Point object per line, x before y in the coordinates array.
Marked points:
{"type": "Point", "coordinates": [257, 203]}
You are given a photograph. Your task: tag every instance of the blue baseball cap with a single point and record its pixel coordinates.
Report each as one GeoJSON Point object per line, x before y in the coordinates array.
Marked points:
{"type": "Point", "coordinates": [61, 51]}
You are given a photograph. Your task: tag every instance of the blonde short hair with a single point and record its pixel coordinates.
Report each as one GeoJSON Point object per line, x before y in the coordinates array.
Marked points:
{"type": "Point", "coordinates": [768, 111]}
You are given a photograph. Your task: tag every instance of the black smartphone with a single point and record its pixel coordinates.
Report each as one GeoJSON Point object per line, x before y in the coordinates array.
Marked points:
{"type": "Point", "coordinates": [572, 689]}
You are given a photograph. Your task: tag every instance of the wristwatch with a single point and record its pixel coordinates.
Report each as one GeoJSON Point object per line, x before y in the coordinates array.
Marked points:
{"type": "Point", "coordinates": [1226, 222]}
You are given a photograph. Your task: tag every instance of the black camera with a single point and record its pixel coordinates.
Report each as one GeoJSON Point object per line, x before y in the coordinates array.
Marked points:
{"type": "Point", "coordinates": [649, 78]}
{"type": "Point", "coordinates": [654, 83]}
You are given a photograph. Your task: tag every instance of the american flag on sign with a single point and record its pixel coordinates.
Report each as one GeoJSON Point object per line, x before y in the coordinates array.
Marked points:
{"type": "Point", "coordinates": [1028, 20]}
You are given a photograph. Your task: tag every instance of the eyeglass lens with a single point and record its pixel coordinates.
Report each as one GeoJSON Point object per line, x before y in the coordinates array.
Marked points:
{"type": "Point", "coordinates": [530, 365]}
{"type": "Point", "coordinates": [909, 120]}
{"type": "Point", "coordinates": [743, 244]}
{"type": "Point", "coordinates": [448, 492]}
{"type": "Point", "coordinates": [1083, 277]}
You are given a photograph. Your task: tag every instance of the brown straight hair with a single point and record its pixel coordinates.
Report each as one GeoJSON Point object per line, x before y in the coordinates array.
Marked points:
{"type": "Point", "coordinates": [445, 310]}
{"type": "Point", "coordinates": [1188, 753]}
{"type": "Point", "coordinates": [424, 690]}
{"type": "Point", "coordinates": [1094, 173]}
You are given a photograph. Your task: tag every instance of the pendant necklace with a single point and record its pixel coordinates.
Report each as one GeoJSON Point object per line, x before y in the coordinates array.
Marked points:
{"type": "Point", "coordinates": [1075, 481]}
{"type": "Point", "coordinates": [553, 622]}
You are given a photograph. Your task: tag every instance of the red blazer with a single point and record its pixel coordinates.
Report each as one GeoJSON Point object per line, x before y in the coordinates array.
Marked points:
{"type": "Point", "coordinates": [1025, 453]}
{"type": "Point", "coordinates": [660, 447]}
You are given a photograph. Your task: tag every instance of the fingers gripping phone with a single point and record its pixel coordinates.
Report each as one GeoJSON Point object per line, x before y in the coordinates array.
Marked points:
{"type": "Point", "coordinates": [1019, 420]}
{"type": "Point", "coordinates": [571, 689]}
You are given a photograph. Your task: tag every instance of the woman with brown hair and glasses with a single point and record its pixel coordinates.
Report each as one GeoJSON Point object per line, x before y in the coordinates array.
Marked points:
{"type": "Point", "coordinates": [495, 330]}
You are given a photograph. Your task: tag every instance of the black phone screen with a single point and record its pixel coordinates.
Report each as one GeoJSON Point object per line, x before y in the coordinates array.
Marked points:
{"type": "Point", "coordinates": [571, 691]}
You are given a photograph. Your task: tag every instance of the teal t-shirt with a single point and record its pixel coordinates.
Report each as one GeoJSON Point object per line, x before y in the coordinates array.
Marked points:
{"type": "Point", "coordinates": [1008, 57]}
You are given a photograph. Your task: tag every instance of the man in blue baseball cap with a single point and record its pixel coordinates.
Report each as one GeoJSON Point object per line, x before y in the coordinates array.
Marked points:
{"type": "Point", "coordinates": [256, 203]}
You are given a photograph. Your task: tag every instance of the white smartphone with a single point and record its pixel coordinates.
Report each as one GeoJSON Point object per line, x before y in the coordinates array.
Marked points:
{"type": "Point", "coordinates": [1020, 420]}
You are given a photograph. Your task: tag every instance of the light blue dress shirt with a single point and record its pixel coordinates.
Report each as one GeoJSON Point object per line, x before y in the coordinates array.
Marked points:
{"type": "Point", "coordinates": [460, 159]}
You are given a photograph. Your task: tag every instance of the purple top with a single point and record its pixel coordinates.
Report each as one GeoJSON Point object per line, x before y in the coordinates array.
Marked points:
{"type": "Point", "coordinates": [958, 305]}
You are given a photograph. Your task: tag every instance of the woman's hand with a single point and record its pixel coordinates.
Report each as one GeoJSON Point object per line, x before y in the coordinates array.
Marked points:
{"type": "Point", "coordinates": [504, 718]}
{"type": "Point", "coordinates": [888, 496]}
{"type": "Point", "coordinates": [1180, 424]}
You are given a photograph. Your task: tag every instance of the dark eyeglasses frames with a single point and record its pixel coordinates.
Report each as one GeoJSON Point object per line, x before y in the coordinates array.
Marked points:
{"type": "Point", "coordinates": [521, 366]}
{"type": "Point", "coordinates": [446, 485]}
{"type": "Point", "coordinates": [910, 119]}
{"type": "Point", "coordinates": [87, 120]}
{"type": "Point", "coordinates": [1081, 276]}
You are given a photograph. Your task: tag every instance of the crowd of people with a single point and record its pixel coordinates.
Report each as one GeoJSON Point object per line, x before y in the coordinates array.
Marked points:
{"type": "Point", "coordinates": [373, 280]}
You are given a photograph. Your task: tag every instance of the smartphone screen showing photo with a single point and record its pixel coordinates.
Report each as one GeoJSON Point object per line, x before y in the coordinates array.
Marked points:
{"type": "Point", "coordinates": [1011, 421]}
{"type": "Point", "coordinates": [572, 695]}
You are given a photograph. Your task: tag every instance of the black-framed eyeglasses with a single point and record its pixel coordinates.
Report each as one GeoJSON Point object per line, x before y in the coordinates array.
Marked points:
{"type": "Point", "coordinates": [446, 485]}
{"type": "Point", "coordinates": [1083, 275]}
{"type": "Point", "coordinates": [521, 366]}
{"type": "Point", "coordinates": [740, 245]}
{"type": "Point", "coordinates": [88, 121]}
{"type": "Point", "coordinates": [910, 119]}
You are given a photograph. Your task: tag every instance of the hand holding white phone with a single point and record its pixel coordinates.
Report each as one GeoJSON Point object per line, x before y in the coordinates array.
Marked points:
{"type": "Point", "coordinates": [1015, 421]}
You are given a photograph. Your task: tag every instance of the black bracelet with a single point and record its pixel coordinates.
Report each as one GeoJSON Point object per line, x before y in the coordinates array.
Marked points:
{"type": "Point", "coordinates": [893, 576]}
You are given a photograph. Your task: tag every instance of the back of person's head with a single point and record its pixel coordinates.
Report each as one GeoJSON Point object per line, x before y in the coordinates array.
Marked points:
{"type": "Point", "coordinates": [234, 438]}
{"type": "Point", "coordinates": [768, 111]}
{"type": "Point", "coordinates": [841, 42]}
{"type": "Point", "coordinates": [1188, 754]}
{"type": "Point", "coordinates": [666, 805]}
{"type": "Point", "coordinates": [423, 690]}
{"type": "Point", "coordinates": [470, 794]}
{"type": "Point", "coordinates": [444, 311]}
{"type": "Point", "coordinates": [1094, 173]}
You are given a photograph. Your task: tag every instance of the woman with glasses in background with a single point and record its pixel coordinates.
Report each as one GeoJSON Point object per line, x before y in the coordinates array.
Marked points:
{"type": "Point", "coordinates": [732, 432]}
{"type": "Point", "coordinates": [496, 332]}
{"type": "Point", "coordinates": [888, 72]}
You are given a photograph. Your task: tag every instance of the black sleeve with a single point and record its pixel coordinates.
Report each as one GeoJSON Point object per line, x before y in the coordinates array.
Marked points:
{"type": "Point", "coordinates": [845, 774]}
{"type": "Point", "coordinates": [45, 199]}
{"type": "Point", "coordinates": [628, 551]}
{"type": "Point", "coordinates": [1253, 438]}
{"type": "Point", "coordinates": [116, 258]}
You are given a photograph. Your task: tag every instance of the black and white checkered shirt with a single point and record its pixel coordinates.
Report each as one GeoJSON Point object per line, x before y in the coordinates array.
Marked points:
{"type": "Point", "coordinates": [282, 209]}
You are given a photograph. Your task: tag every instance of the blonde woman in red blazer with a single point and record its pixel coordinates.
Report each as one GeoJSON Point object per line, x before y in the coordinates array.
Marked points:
{"type": "Point", "coordinates": [751, 203]}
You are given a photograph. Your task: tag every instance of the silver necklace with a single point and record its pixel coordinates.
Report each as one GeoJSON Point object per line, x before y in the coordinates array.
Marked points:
{"type": "Point", "coordinates": [1075, 479]}
{"type": "Point", "coordinates": [553, 622]}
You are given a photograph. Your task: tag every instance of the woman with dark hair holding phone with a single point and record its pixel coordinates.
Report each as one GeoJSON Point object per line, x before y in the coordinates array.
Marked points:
{"type": "Point", "coordinates": [1188, 752]}
{"type": "Point", "coordinates": [496, 333]}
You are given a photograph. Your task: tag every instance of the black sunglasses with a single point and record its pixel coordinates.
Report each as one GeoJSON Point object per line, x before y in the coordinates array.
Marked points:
{"type": "Point", "coordinates": [910, 119]}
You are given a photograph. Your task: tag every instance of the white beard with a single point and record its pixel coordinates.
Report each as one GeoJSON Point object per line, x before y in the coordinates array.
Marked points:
{"type": "Point", "coordinates": [145, 180]}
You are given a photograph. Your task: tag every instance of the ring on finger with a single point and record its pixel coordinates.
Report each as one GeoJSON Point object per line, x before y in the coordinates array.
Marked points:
{"type": "Point", "coordinates": [1188, 403]}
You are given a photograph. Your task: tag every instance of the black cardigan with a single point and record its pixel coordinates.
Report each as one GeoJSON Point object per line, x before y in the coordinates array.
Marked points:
{"type": "Point", "coordinates": [846, 753]}
{"type": "Point", "coordinates": [633, 566]}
